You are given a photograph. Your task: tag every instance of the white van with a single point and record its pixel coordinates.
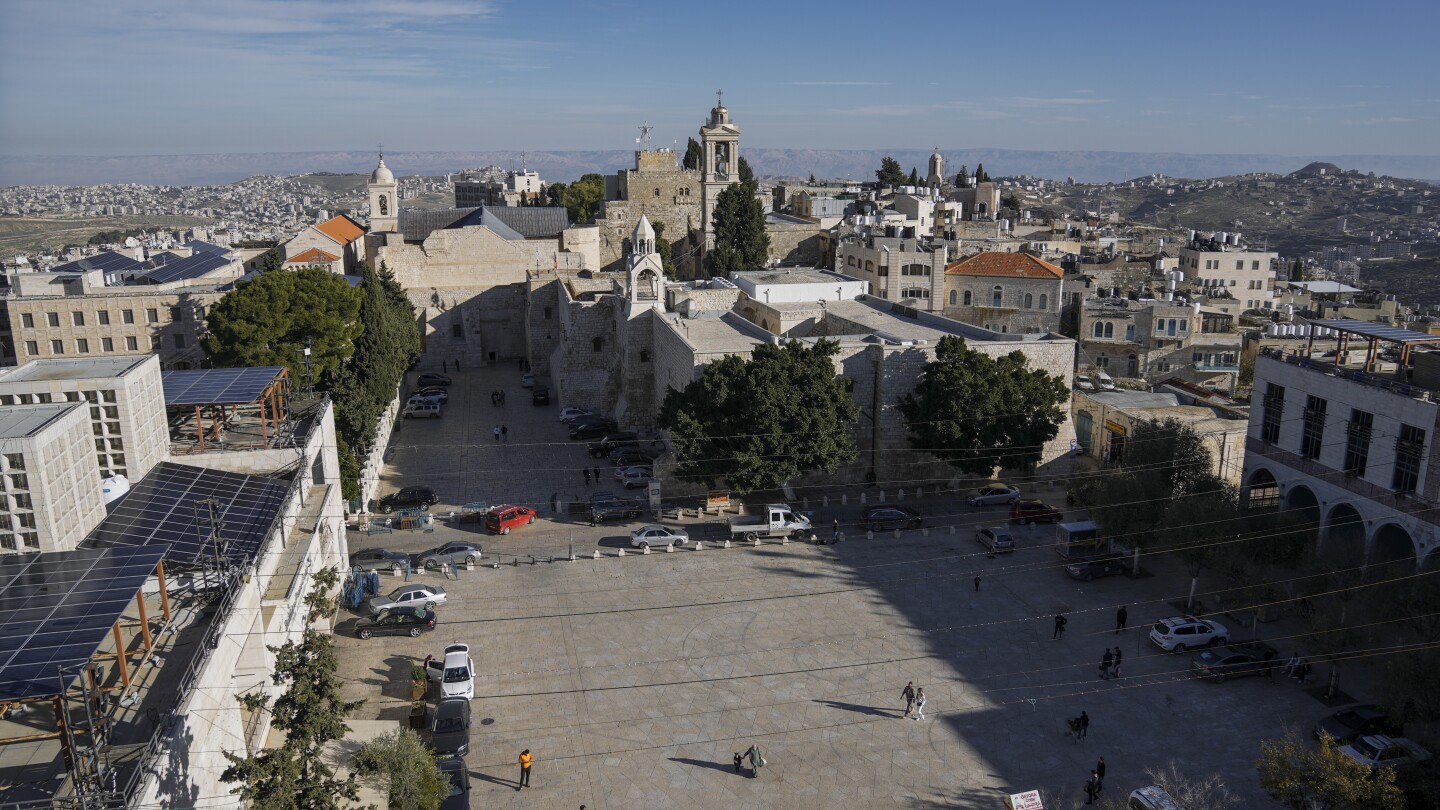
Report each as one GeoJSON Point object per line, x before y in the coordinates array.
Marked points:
{"type": "Point", "coordinates": [422, 410]}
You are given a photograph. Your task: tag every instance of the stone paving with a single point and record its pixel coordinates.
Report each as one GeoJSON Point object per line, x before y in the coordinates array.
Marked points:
{"type": "Point", "coordinates": [633, 679]}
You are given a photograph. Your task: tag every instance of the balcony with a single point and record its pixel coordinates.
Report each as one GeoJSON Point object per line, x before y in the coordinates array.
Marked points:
{"type": "Point", "coordinates": [1339, 366]}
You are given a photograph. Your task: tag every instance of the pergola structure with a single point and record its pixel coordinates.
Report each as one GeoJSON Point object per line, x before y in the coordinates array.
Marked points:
{"type": "Point", "coordinates": [1373, 334]}
{"type": "Point", "coordinates": [221, 399]}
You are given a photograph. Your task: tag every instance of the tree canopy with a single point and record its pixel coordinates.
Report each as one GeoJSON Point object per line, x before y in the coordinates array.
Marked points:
{"type": "Point", "coordinates": [981, 176]}
{"type": "Point", "coordinates": [1306, 777]}
{"type": "Point", "coordinates": [666, 251]}
{"type": "Point", "coordinates": [758, 423]}
{"type": "Point", "coordinates": [582, 198]}
{"type": "Point", "coordinates": [741, 242]}
{"type": "Point", "coordinates": [962, 180]}
{"type": "Point", "coordinates": [271, 319]}
{"type": "Point", "coordinates": [890, 174]}
{"type": "Point", "coordinates": [405, 766]}
{"type": "Point", "coordinates": [914, 178]}
{"type": "Point", "coordinates": [746, 175]}
{"type": "Point", "coordinates": [694, 155]}
{"type": "Point", "coordinates": [977, 413]}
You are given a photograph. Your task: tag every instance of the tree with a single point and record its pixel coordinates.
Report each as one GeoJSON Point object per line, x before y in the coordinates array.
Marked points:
{"type": "Point", "coordinates": [582, 198]}
{"type": "Point", "coordinates": [271, 319]}
{"type": "Point", "coordinates": [977, 413]}
{"type": "Point", "coordinates": [1208, 793]}
{"type": "Point", "coordinates": [914, 176]}
{"type": "Point", "coordinates": [555, 194]}
{"type": "Point", "coordinates": [401, 762]}
{"type": "Point", "coordinates": [746, 175]}
{"type": "Point", "coordinates": [311, 715]}
{"type": "Point", "coordinates": [741, 242]}
{"type": "Point", "coordinates": [1305, 777]}
{"type": "Point", "coordinates": [1297, 270]}
{"type": "Point", "coordinates": [1012, 201]}
{"type": "Point", "coordinates": [890, 174]}
{"type": "Point", "coordinates": [962, 180]}
{"type": "Point", "coordinates": [760, 422]}
{"type": "Point", "coordinates": [981, 176]}
{"type": "Point", "coordinates": [666, 251]}
{"type": "Point", "coordinates": [811, 181]}
{"type": "Point", "coordinates": [694, 155]}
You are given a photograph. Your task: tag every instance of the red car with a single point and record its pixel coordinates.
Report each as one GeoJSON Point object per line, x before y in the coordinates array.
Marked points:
{"type": "Point", "coordinates": [1037, 511]}
{"type": "Point", "coordinates": [501, 519]}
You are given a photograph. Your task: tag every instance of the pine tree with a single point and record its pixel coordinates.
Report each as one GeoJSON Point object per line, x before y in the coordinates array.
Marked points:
{"type": "Point", "coordinates": [890, 174]}
{"type": "Point", "coordinates": [980, 174]}
{"type": "Point", "coordinates": [812, 179]}
{"type": "Point", "coordinates": [914, 176]}
{"type": "Point", "coordinates": [694, 155]}
{"type": "Point", "coordinates": [1297, 270]}
{"type": "Point", "coordinates": [741, 242]}
{"type": "Point", "coordinates": [962, 180]}
{"type": "Point", "coordinates": [746, 175]}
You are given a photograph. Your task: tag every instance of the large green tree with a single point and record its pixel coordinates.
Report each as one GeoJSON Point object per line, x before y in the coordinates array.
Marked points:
{"type": "Point", "coordinates": [666, 251]}
{"type": "Point", "coordinates": [402, 762]}
{"type": "Point", "coordinates": [977, 413]}
{"type": "Point", "coordinates": [583, 197]}
{"type": "Point", "coordinates": [747, 175]}
{"type": "Point", "coordinates": [741, 242]}
{"type": "Point", "coordinates": [890, 174]}
{"type": "Point", "coordinates": [694, 155]}
{"type": "Point", "coordinates": [271, 319]}
{"type": "Point", "coordinates": [1306, 777]}
{"type": "Point", "coordinates": [758, 423]}
{"type": "Point", "coordinates": [962, 179]}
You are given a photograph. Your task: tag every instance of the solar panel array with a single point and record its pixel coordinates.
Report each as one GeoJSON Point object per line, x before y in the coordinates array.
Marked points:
{"type": "Point", "coordinates": [110, 262]}
{"type": "Point", "coordinates": [58, 608]}
{"type": "Point", "coordinates": [187, 268]}
{"type": "Point", "coordinates": [164, 509]}
{"type": "Point", "coordinates": [217, 386]}
{"type": "Point", "coordinates": [1377, 330]}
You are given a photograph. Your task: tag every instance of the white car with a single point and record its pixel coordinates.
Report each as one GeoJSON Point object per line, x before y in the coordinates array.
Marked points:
{"type": "Point", "coordinates": [1380, 751]}
{"type": "Point", "coordinates": [455, 672]}
{"type": "Point", "coordinates": [994, 495]}
{"type": "Point", "coordinates": [569, 414]}
{"type": "Point", "coordinates": [1180, 633]}
{"type": "Point", "coordinates": [414, 594]}
{"type": "Point", "coordinates": [647, 536]}
{"type": "Point", "coordinates": [633, 477]}
{"type": "Point", "coordinates": [995, 538]}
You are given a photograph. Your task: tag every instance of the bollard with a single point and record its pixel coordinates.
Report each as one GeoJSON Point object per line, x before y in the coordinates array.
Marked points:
{"type": "Point", "coordinates": [740, 508]}
{"type": "Point", "coordinates": [952, 528]}
{"type": "Point", "coordinates": [572, 557]}
{"type": "Point", "coordinates": [727, 542]}
{"type": "Point", "coordinates": [840, 538]}
{"type": "Point", "coordinates": [844, 499]}
{"type": "Point", "coordinates": [897, 534]}
{"type": "Point", "coordinates": [862, 499]}
{"type": "Point", "coordinates": [784, 539]}
{"type": "Point", "coordinates": [396, 571]}
{"type": "Point", "coordinates": [900, 496]}
{"type": "Point", "coordinates": [882, 496]}
{"type": "Point", "coordinates": [469, 563]}
{"type": "Point", "coordinates": [669, 548]}
{"type": "Point", "coordinates": [621, 554]}
{"type": "Point", "coordinates": [924, 531]}
{"type": "Point", "coordinates": [869, 535]}
{"type": "Point", "coordinates": [699, 545]}
{"type": "Point", "coordinates": [755, 542]}
{"type": "Point", "coordinates": [644, 549]}
{"type": "Point", "coordinates": [452, 514]}
{"type": "Point", "coordinates": [825, 500]}
{"type": "Point", "coordinates": [597, 553]}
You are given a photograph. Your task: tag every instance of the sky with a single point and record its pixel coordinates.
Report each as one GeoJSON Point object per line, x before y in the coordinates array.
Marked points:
{"type": "Point", "coordinates": [99, 77]}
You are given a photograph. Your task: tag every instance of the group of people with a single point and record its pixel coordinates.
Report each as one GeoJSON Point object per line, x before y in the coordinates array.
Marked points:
{"type": "Point", "coordinates": [587, 473]}
{"type": "Point", "coordinates": [1096, 782]}
{"type": "Point", "coordinates": [1110, 663]}
{"type": "Point", "coordinates": [502, 434]}
{"type": "Point", "coordinates": [757, 760]}
{"type": "Point", "coordinates": [1298, 668]}
{"type": "Point", "coordinates": [497, 398]}
{"type": "Point", "coordinates": [914, 701]}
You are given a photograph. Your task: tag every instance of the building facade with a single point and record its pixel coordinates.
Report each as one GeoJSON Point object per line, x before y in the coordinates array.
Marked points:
{"type": "Point", "coordinates": [51, 496]}
{"type": "Point", "coordinates": [901, 269]}
{"type": "Point", "coordinates": [1005, 292]}
{"type": "Point", "coordinates": [1225, 269]}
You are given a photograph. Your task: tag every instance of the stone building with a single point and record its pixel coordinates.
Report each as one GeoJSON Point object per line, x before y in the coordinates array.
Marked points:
{"type": "Point", "coordinates": [339, 238]}
{"type": "Point", "coordinates": [1005, 292]}
{"type": "Point", "coordinates": [1235, 278]}
{"type": "Point", "coordinates": [52, 496]}
{"type": "Point", "coordinates": [904, 269]}
{"type": "Point", "coordinates": [1153, 339]}
{"type": "Point", "coordinates": [1105, 421]}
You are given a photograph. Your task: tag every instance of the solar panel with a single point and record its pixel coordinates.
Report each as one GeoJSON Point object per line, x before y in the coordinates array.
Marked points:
{"type": "Point", "coordinates": [164, 509]}
{"type": "Point", "coordinates": [217, 386]}
{"type": "Point", "coordinates": [186, 268]}
{"type": "Point", "coordinates": [59, 607]}
{"type": "Point", "coordinates": [110, 262]}
{"type": "Point", "coordinates": [1378, 331]}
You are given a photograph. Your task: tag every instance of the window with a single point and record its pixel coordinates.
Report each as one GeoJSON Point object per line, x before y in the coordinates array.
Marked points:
{"type": "Point", "coordinates": [1274, 410]}
{"type": "Point", "coordinates": [132, 344]}
{"type": "Point", "coordinates": [179, 341]}
{"type": "Point", "coordinates": [57, 347]}
{"type": "Point", "coordinates": [27, 320]}
{"type": "Point", "coordinates": [1029, 301]}
{"type": "Point", "coordinates": [152, 316]}
{"type": "Point", "coordinates": [104, 316]}
{"type": "Point", "coordinates": [1164, 365]}
{"type": "Point", "coordinates": [1240, 264]}
{"type": "Point", "coordinates": [1255, 265]}
{"type": "Point", "coordinates": [32, 347]}
{"type": "Point", "coordinates": [997, 295]}
{"type": "Point", "coordinates": [1408, 449]}
{"type": "Point", "coordinates": [176, 314]}
{"type": "Point", "coordinates": [457, 331]}
{"type": "Point", "coordinates": [82, 346]}
{"type": "Point", "coordinates": [1103, 361]}
{"type": "Point", "coordinates": [966, 298]}
{"type": "Point", "coordinates": [1129, 331]}
{"type": "Point", "coordinates": [52, 318]}
{"type": "Point", "coordinates": [1313, 432]}
{"type": "Point", "coordinates": [155, 343]}
{"type": "Point", "coordinates": [915, 292]}
{"type": "Point", "coordinates": [107, 345]}
{"type": "Point", "coordinates": [954, 297]}
{"type": "Point", "coordinates": [1099, 329]}
{"type": "Point", "coordinates": [1109, 330]}
{"type": "Point", "coordinates": [1184, 326]}
{"type": "Point", "coordinates": [14, 461]}
{"type": "Point", "coordinates": [1044, 302]}
{"type": "Point", "coordinates": [1357, 442]}
{"type": "Point", "coordinates": [547, 313]}
{"type": "Point", "coordinates": [598, 344]}
{"type": "Point", "coordinates": [127, 316]}
{"type": "Point", "coordinates": [78, 318]}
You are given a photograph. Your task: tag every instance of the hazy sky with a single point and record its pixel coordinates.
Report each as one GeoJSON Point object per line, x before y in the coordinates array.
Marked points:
{"type": "Point", "coordinates": [188, 76]}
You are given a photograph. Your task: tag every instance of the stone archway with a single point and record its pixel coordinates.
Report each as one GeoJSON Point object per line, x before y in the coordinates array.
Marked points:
{"type": "Point", "coordinates": [1392, 551]}
{"type": "Point", "coordinates": [1302, 501]}
{"type": "Point", "coordinates": [1343, 536]}
{"type": "Point", "coordinates": [1261, 490]}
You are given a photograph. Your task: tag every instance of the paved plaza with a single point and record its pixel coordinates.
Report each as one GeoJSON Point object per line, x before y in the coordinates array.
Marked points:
{"type": "Point", "coordinates": [633, 679]}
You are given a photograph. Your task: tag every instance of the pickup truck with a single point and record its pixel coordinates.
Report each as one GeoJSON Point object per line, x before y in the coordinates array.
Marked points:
{"type": "Point", "coordinates": [778, 520]}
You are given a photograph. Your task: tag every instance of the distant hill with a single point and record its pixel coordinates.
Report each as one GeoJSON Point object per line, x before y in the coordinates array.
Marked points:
{"type": "Point", "coordinates": [1084, 166]}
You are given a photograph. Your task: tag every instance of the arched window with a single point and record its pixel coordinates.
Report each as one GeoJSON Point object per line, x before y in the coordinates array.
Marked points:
{"type": "Point", "coordinates": [1044, 304]}
{"type": "Point", "coordinates": [644, 355]}
{"type": "Point", "coordinates": [657, 192]}
{"type": "Point", "coordinates": [1109, 329]}
{"type": "Point", "coordinates": [967, 298]}
{"type": "Point", "coordinates": [598, 344]}
{"type": "Point", "coordinates": [1029, 301]}
{"type": "Point", "coordinates": [850, 261]}
{"type": "Point", "coordinates": [1099, 329]}
{"type": "Point", "coordinates": [954, 297]}
{"type": "Point", "coordinates": [997, 295]}
{"type": "Point", "coordinates": [869, 267]}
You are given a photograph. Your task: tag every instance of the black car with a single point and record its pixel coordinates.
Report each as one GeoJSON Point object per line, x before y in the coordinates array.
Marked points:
{"type": "Point", "coordinates": [421, 498]}
{"type": "Point", "coordinates": [630, 457]}
{"type": "Point", "coordinates": [884, 516]}
{"type": "Point", "coordinates": [450, 727]}
{"type": "Point", "coordinates": [457, 775]}
{"type": "Point", "coordinates": [399, 620]}
{"type": "Point", "coordinates": [540, 395]}
{"type": "Point", "coordinates": [1231, 662]}
{"type": "Point", "coordinates": [1086, 570]}
{"type": "Point", "coordinates": [591, 430]}
{"type": "Point", "coordinates": [611, 441]}
{"type": "Point", "coordinates": [432, 379]}
{"type": "Point", "coordinates": [615, 508]}
{"type": "Point", "coordinates": [378, 558]}
{"type": "Point", "coordinates": [1354, 722]}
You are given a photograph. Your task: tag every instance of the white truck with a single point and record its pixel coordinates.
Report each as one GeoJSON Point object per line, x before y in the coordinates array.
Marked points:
{"type": "Point", "coordinates": [778, 520]}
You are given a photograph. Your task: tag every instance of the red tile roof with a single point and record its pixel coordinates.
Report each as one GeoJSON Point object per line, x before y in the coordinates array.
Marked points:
{"type": "Point", "coordinates": [1007, 265]}
{"type": "Point", "coordinates": [342, 229]}
{"type": "Point", "coordinates": [312, 256]}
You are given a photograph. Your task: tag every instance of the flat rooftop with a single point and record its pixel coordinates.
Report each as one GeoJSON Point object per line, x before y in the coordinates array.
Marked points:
{"type": "Point", "coordinates": [21, 421]}
{"type": "Point", "coordinates": [725, 334]}
{"type": "Point", "coordinates": [879, 316]}
{"type": "Point", "coordinates": [86, 369]}
{"type": "Point", "coordinates": [799, 276]}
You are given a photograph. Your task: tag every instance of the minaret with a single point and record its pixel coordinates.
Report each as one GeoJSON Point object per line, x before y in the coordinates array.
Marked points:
{"type": "Point", "coordinates": [384, 199]}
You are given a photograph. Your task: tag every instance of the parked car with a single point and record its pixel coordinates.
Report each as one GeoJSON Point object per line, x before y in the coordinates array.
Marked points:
{"type": "Point", "coordinates": [1086, 570]}
{"type": "Point", "coordinates": [455, 671]}
{"type": "Point", "coordinates": [634, 477]}
{"type": "Point", "coordinates": [527, 380]}
{"type": "Point", "coordinates": [457, 773]}
{"type": "Point", "coordinates": [540, 395]}
{"type": "Point", "coordinates": [612, 441]}
{"type": "Point", "coordinates": [995, 538]}
{"type": "Point", "coordinates": [1231, 662]}
{"type": "Point", "coordinates": [433, 391]}
{"type": "Point", "coordinates": [378, 558]}
{"type": "Point", "coordinates": [398, 620]}
{"type": "Point", "coordinates": [432, 379]}
{"type": "Point", "coordinates": [450, 727]}
{"type": "Point", "coordinates": [884, 516]}
{"type": "Point", "coordinates": [413, 594]}
{"type": "Point", "coordinates": [1152, 797]}
{"type": "Point", "coordinates": [647, 536]}
{"type": "Point", "coordinates": [501, 519]}
{"type": "Point", "coordinates": [630, 457]}
{"type": "Point", "coordinates": [1356, 721]}
{"type": "Point", "coordinates": [591, 430]}
{"type": "Point", "coordinates": [569, 414]}
{"type": "Point", "coordinates": [994, 495]}
{"type": "Point", "coordinates": [1180, 633]}
{"type": "Point", "coordinates": [1380, 751]}
{"type": "Point", "coordinates": [422, 409]}
{"type": "Point", "coordinates": [1030, 511]}
{"type": "Point", "coordinates": [612, 507]}
{"type": "Point", "coordinates": [452, 553]}
{"type": "Point", "coordinates": [421, 498]}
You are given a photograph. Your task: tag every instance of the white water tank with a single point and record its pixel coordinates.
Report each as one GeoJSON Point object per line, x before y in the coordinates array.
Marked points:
{"type": "Point", "coordinates": [112, 488]}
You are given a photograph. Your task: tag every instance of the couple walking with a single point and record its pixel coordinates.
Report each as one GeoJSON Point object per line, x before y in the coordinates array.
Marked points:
{"type": "Point", "coordinates": [1110, 664]}
{"type": "Point", "coordinates": [915, 701]}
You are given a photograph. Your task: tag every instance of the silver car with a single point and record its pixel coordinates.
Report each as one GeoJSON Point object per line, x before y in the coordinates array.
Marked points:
{"type": "Point", "coordinates": [995, 538]}
{"type": "Point", "coordinates": [994, 495]}
{"type": "Point", "coordinates": [647, 536]}
{"type": "Point", "coordinates": [413, 594]}
{"type": "Point", "coordinates": [452, 553]}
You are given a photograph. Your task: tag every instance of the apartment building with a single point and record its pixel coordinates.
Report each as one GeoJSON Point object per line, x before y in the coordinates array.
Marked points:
{"type": "Point", "coordinates": [1004, 292]}
{"type": "Point", "coordinates": [1225, 269]}
{"type": "Point", "coordinates": [901, 269]}
{"type": "Point", "coordinates": [1153, 339]}
{"type": "Point", "coordinates": [50, 496]}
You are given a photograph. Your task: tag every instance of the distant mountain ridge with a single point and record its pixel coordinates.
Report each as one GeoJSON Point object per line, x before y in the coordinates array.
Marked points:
{"type": "Point", "coordinates": [565, 166]}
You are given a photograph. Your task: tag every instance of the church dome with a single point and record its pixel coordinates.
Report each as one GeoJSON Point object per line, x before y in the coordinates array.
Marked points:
{"type": "Point", "coordinates": [382, 173]}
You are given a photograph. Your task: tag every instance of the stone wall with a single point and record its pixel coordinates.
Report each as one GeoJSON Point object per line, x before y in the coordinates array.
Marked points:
{"type": "Point", "coordinates": [1012, 316]}
{"type": "Point", "coordinates": [707, 300]}
{"type": "Point", "coordinates": [678, 217]}
{"type": "Point", "coordinates": [794, 243]}
{"type": "Point", "coordinates": [583, 372]}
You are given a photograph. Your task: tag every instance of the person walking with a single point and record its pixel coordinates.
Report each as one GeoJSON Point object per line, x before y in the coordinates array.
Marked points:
{"type": "Point", "coordinates": [597, 475]}
{"type": "Point", "coordinates": [526, 759]}
{"type": "Point", "coordinates": [1115, 670]}
{"type": "Point", "coordinates": [1084, 725]}
{"type": "Point", "coordinates": [1269, 664]}
{"type": "Point", "coordinates": [1121, 616]}
{"type": "Point", "coordinates": [586, 471]}
{"type": "Point", "coordinates": [496, 431]}
{"type": "Point", "coordinates": [835, 532]}
{"type": "Point", "coordinates": [977, 583]}
{"type": "Point", "coordinates": [1100, 775]}
{"type": "Point", "coordinates": [757, 760]}
{"type": "Point", "coordinates": [1060, 622]}
{"type": "Point", "coordinates": [457, 364]}
{"type": "Point", "coordinates": [920, 701]}
{"type": "Point", "coordinates": [1092, 787]}
{"type": "Point", "coordinates": [444, 365]}
{"type": "Point", "coordinates": [1292, 664]}
{"type": "Point", "coordinates": [909, 695]}
{"type": "Point", "coordinates": [1302, 671]}
{"type": "Point", "coordinates": [505, 434]}
{"type": "Point", "coordinates": [1105, 662]}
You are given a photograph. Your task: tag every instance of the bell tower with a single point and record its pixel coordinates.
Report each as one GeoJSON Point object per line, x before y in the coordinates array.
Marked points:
{"type": "Point", "coordinates": [384, 199]}
{"type": "Point", "coordinates": [721, 141]}
{"type": "Point", "coordinates": [645, 271]}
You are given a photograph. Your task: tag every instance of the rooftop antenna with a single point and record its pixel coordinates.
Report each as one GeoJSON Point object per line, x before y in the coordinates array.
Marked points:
{"type": "Point", "coordinates": [644, 139]}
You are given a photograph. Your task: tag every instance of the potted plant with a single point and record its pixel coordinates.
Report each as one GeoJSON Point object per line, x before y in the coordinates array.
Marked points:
{"type": "Point", "coordinates": [417, 714]}
{"type": "Point", "coordinates": [419, 687]}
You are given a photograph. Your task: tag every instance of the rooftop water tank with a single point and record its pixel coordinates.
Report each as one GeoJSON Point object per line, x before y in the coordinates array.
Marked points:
{"type": "Point", "coordinates": [111, 489]}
